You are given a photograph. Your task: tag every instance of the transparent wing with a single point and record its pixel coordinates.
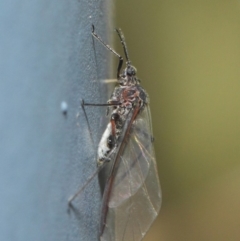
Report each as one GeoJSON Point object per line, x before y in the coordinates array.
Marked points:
{"type": "Point", "coordinates": [135, 197]}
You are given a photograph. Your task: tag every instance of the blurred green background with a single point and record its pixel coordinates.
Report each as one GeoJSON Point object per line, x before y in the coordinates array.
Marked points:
{"type": "Point", "coordinates": [188, 57]}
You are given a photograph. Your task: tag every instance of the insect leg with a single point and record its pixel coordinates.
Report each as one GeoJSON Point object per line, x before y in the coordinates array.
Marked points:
{"type": "Point", "coordinates": [99, 168]}
{"type": "Point", "coordinates": [120, 63]}
{"type": "Point", "coordinates": [85, 185]}
{"type": "Point", "coordinates": [83, 104]}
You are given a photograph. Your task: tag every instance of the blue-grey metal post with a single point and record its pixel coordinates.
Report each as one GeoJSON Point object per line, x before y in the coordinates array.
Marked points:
{"type": "Point", "coordinates": [48, 63]}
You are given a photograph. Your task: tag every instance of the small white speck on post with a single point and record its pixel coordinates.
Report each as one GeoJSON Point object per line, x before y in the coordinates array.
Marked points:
{"type": "Point", "coordinates": [64, 107]}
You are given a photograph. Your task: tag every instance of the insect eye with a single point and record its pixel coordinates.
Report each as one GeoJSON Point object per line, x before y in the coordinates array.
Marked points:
{"type": "Point", "coordinates": [131, 71]}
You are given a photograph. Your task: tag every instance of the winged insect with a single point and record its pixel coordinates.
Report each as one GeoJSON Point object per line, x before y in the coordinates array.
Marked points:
{"type": "Point", "coordinates": [132, 195]}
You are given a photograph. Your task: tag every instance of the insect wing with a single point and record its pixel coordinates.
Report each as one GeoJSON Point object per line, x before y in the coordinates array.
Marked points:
{"type": "Point", "coordinates": [135, 198]}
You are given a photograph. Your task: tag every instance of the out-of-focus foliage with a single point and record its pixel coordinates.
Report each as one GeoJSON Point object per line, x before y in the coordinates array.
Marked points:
{"type": "Point", "coordinates": [188, 56]}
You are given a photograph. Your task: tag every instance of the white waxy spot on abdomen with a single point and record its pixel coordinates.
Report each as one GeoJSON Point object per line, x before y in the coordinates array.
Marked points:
{"type": "Point", "coordinates": [103, 148]}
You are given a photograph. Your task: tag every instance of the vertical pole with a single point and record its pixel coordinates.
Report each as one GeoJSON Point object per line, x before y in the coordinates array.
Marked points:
{"type": "Point", "coordinates": [48, 62]}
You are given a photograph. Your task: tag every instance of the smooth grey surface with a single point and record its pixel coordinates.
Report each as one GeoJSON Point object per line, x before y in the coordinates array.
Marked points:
{"type": "Point", "coordinates": [47, 57]}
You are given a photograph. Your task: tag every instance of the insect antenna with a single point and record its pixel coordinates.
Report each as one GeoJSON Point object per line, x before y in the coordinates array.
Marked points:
{"type": "Point", "coordinates": [110, 49]}
{"type": "Point", "coordinates": [123, 42]}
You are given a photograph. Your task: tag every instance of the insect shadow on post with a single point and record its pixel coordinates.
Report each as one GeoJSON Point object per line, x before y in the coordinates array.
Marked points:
{"type": "Point", "coordinates": [132, 195]}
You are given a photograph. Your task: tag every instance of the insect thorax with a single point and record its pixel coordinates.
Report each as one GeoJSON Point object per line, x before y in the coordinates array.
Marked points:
{"type": "Point", "coordinates": [127, 97]}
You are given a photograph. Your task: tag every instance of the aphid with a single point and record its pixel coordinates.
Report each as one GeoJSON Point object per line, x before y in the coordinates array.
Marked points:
{"type": "Point", "coordinates": [132, 196]}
